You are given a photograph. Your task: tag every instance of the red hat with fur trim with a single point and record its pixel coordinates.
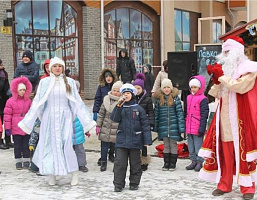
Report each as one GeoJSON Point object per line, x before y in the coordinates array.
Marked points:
{"type": "Point", "coordinates": [233, 42]}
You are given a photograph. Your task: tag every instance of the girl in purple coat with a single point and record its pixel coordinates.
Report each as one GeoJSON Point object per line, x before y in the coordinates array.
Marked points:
{"type": "Point", "coordinates": [196, 120]}
{"type": "Point", "coordinates": [15, 109]}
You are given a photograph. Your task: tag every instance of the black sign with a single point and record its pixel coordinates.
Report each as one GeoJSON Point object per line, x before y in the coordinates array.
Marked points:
{"type": "Point", "coordinates": [206, 54]}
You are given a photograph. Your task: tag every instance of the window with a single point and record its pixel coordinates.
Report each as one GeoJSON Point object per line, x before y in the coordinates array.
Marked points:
{"type": "Point", "coordinates": [182, 30]}
{"type": "Point", "coordinates": [216, 31]}
{"type": "Point", "coordinates": [131, 29]}
{"type": "Point", "coordinates": [47, 28]}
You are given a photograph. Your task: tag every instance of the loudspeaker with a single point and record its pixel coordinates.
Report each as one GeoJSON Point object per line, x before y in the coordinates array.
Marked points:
{"type": "Point", "coordinates": [181, 66]}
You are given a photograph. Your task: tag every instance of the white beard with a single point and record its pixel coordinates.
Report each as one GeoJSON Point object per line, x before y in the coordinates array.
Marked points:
{"type": "Point", "coordinates": [230, 65]}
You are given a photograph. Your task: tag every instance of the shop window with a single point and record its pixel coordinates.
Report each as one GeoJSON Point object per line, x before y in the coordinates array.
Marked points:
{"type": "Point", "coordinates": [216, 31]}
{"type": "Point", "coordinates": [51, 26]}
{"type": "Point", "coordinates": [182, 30]}
{"type": "Point", "coordinates": [131, 29]}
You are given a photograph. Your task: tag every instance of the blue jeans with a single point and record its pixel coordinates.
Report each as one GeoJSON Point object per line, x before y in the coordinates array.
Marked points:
{"type": "Point", "coordinates": [104, 150]}
{"type": "Point", "coordinates": [194, 145]}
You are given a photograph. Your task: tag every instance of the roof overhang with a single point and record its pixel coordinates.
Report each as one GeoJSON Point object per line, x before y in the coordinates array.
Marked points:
{"type": "Point", "coordinates": [241, 29]}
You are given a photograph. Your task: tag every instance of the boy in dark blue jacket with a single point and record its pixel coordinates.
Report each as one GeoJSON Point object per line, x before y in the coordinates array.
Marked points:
{"type": "Point", "coordinates": [132, 134]}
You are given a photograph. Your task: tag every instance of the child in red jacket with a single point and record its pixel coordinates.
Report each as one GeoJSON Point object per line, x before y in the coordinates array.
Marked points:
{"type": "Point", "coordinates": [15, 109]}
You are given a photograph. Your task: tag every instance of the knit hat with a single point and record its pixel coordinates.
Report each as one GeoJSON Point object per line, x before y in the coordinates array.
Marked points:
{"type": "Point", "coordinates": [27, 54]}
{"type": "Point", "coordinates": [21, 86]}
{"type": "Point", "coordinates": [166, 83]}
{"type": "Point", "coordinates": [55, 61]}
{"type": "Point", "coordinates": [108, 73]}
{"type": "Point", "coordinates": [140, 80]}
{"type": "Point", "coordinates": [194, 82]}
{"type": "Point", "coordinates": [117, 85]}
{"type": "Point", "coordinates": [233, 43]}
{"type": "Point", "coordinates": [127, 87]}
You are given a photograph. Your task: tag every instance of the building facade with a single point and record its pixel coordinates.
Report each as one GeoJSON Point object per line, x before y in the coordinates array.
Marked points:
{"type": "Point", "coordinates": [148, 30]}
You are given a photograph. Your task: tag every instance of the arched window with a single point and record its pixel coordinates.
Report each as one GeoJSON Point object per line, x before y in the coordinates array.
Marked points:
{"type": "Point", "coordinates": [48, 29]}
{"type": "Point", "coordinates": [131, 29]}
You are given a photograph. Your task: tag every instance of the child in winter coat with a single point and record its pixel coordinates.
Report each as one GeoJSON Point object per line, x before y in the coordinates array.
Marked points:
{"type": "Point", "coordinates": [33, 140]}
{"type": "Point", "coordinates": [16, 108]}
{"type": "Point", "coordinates": [196, 120]}
{"type": "Point", "coordinates": [143, 98]}
{"type": "Point", "coordinates": [169, 122]}
{"type": "Point", "coordinates": [132, 134]}
{"type": "Point", "coordinates": [78, 139]}
{"type": "Point", "coordinates": [106, 79]}
{"type": "Point", "coordinates": [106, 128]}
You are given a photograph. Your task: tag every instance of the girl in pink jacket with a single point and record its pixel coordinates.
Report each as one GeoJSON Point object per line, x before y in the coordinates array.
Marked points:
{"type": "Point", "coordinates": [15, 109]}
{"type": "Point", "coordinates": [196, 120]}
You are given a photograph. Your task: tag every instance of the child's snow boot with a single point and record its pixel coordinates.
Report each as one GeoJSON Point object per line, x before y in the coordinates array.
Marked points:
{"type": "Point", "coordinates": [166, 158]}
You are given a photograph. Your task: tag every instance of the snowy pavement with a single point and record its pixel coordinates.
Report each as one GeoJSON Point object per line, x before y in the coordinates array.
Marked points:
{"type": "Point", "coordinates": [93, 185]}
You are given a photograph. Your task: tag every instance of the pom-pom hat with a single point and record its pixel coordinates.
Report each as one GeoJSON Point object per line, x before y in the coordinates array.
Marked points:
{"type": "Point", "coordinates": [127, 87]}
{"type": "Point", "coordinates": [140, 80]}
{"type": "Point", "coordinates": [55, 61]}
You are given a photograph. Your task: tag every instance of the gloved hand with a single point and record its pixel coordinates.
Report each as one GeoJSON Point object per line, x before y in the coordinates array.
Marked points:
{"type": "Point", "coordinates": [217, 72]}
{"type": "Point", "coordinates": [200, 134]}
{"type": "Point", "coordinates": [8, 132]}
{"type": "Point", "coordinates": [144, 151]}
{"type": "Point", "coordinates": [95, 116]}
{"type": "Point", "coordinates": [88, 134]}
{"type": "Point", "coordinates": [31, 148]}
{"type": "Point", "coordinates": [97, 130]}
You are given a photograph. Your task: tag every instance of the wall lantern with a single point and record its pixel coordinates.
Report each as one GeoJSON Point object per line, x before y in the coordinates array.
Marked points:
{"type": "Point", "coordinates": [8, 20]}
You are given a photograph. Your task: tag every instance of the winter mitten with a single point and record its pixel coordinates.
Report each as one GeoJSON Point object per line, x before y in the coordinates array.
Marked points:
{"type": "Point", "coordinates": [8, 132]}
{"type": "Point", "coordinates": [95, 116]}
{"type": "Point", "coordinates": [97, 130]}
{"type": "Point", "coordinates": [217, 71]}
{"type": "Point", "coordinates": [31, 147]}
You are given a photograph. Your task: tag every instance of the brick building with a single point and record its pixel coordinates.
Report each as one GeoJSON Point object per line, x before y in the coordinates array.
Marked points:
{"type": "Point", "coordinates": [147, 29]}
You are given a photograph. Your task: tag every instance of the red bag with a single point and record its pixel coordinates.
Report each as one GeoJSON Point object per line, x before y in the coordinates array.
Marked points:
{"type": "Point", "coordinates": [182, 150]}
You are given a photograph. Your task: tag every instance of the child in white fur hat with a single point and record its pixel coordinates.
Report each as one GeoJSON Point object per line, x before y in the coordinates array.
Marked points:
{"type": "Point", "coordinates": [169, 122]}
{"type": "Point", "coordinates": [132, 134]}
{"type": "Point", "coordinates": [196, 120]}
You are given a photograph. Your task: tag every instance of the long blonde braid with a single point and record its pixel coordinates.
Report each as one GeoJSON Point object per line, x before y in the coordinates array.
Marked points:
{"type": "Point", "coordinates": [68, 88]}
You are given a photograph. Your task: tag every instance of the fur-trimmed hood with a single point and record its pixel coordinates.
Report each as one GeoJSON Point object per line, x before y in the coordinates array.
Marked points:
{"type": "Point", "coordinates": [159, 93]}
{"type": "Point", "coordinates": [101, 77]}
{"type": "Point", "coordinates": [14, 87]}
{"type": "Point", "coordinates": [170, 98]}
